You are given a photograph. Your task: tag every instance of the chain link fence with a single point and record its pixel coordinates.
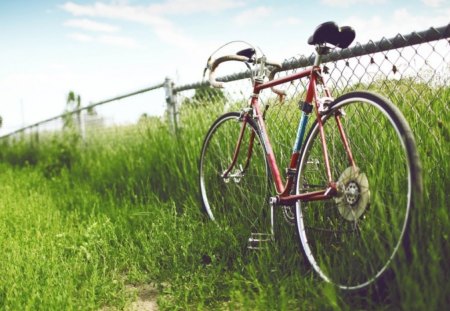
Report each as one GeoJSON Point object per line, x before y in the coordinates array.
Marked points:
{"type": "Point", "coordinates": [412, 70]}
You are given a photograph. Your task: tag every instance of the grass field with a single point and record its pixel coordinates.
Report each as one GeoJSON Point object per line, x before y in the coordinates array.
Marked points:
{"type": "Point", "coordinates": [81, 222]}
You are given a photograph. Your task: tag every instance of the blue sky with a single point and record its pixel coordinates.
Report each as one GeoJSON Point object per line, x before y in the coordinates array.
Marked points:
{"type": "Point", "coordinates": [100, 49]}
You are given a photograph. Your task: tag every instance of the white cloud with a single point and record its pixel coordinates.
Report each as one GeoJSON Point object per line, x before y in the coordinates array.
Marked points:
{"type": "Point", "coordinates": [113, 11]}
{"type": "Point", "coordinates": [251, 16]}
{"type": "Point", "coordinates": [293, 21]}
{"type": "Point", "coordinates": [90, 25]}
{"type": "Point", "coordinates": [152, 15]}
{"type": "Point", "coordinates": [194, 6]}
{"type": "Point", "coordinates": [142, 13]}
{"type": "Point", "coordinates": [289, 21]}
{"type": "Point", "coordinates": [177, 38]}
{"type": "Point", "coordinates": [346, 3]}
{"type": "Point", "coordinates": [81, 10]}
{"type": "Point", "coordinates": [80, 37]}
{"type": "Point", "coordinates": [401, 21]}
{"type": "Point", "coordinates": [118, 41]}
{"type": "Point", "coordinates": [433, 3]}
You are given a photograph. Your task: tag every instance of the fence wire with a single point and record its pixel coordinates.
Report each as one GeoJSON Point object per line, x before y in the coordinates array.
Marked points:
{"type": "Point", "coordinates": [412, 70]}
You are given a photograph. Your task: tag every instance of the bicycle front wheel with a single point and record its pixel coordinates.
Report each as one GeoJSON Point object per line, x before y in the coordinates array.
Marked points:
{"type": "Point", "coordinates": [350, 240]}
{"type": "Point", "coordinates": [237, 199]}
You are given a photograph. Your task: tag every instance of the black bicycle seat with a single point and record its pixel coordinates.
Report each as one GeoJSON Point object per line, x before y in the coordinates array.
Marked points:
{"type": "Point", "coordinates": [247, 53]}
{"type": "Point", "coordinates": [331, 33]}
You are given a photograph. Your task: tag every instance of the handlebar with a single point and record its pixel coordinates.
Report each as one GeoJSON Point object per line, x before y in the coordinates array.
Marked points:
{"type": "Point", "coordinates": [274, 89]}
{"type": "Point", "coordinates": [213, 64]}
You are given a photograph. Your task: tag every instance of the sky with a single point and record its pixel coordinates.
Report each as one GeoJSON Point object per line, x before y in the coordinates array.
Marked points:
{"type": "Point", "coordinates": [100, 49]}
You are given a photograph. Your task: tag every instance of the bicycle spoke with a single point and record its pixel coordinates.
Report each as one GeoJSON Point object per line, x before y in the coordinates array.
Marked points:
{"type": "Point", "coordinates": [236, 201]}
{"type": "Point", "coordinates": [352, 238]}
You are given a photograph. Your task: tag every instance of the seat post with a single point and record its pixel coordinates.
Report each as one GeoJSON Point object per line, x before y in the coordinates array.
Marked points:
{"type": "Point", "coordinates": [318, 59]}
{"type": "Point", "coordinates": [321, 49]}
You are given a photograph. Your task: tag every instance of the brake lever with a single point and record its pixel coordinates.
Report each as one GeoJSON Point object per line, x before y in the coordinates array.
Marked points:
{"type": "Point", "coordinates": [208, 66]}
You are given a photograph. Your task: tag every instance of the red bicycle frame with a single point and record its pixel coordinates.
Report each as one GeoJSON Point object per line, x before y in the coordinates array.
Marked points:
{"type": "Point", "coordinates": [284, 196]}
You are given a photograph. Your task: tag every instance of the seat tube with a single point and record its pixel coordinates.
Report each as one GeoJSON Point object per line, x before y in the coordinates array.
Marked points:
{"type": "Point", "coordinates": [344, 139]}
{"type": "Point", "coordinates": [300, 132]}
{"type": "Point", "coordinates": [312, 92]}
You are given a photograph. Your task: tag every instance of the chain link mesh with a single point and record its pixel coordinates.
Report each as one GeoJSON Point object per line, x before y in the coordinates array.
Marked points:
{"type": "Point", "coordinates": [413, 75]}
{"type": "Point", "coordinates": [413, 71]}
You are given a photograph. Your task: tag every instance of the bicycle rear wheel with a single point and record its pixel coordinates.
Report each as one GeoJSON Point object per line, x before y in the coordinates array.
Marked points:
{"type": "Point", "coordinates": [237, 201]}
{"type": "Point", "coordinates": [350, 240]}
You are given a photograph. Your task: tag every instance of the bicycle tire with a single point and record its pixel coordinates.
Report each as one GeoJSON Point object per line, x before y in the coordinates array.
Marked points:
{"type": "Point", "coordinates": [238, 204]}
{"type": "Point", "coordinates": [351, 240]}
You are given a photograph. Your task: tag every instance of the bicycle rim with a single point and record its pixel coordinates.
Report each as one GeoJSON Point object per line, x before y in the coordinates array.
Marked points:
{"type": "Point", "coordinates": [351, 240]}
{"type": "Point", "coordinates": [238, 202]}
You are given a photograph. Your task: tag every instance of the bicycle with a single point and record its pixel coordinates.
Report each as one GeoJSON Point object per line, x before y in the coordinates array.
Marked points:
{"type": "Point", "coordinates": [351, 182]}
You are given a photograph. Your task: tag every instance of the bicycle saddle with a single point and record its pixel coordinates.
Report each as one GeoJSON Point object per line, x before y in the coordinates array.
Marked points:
{"type": "Point", "coordinates": [247, 53]}
{"type": "Point", "coordinates": [331, 33]}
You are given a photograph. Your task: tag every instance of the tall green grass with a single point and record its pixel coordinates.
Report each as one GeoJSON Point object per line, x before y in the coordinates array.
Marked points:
{"type": "Point", "coordinates": [80, 220]}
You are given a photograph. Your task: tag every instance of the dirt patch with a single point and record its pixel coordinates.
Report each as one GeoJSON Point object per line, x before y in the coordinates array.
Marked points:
{"type": "Point", "coordinates": [146, 297]}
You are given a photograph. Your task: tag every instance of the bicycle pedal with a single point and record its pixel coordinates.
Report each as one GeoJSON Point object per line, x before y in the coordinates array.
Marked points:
{"type": "Point", "coordinates": [258, 241]}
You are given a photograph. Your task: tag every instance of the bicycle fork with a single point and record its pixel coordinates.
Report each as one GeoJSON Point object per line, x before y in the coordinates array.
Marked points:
{"type": "Point", "coordinates": [226, 173]}
{"type": "Point", "coordinates": [257, 240]}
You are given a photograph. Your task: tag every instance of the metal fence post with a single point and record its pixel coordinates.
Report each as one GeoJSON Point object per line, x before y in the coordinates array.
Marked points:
{"type": "Point", "coordinates": [36, 135]}
{"type": "Point", "coordinates": [436, 37]}
{"type": "Point", "coordinates": [80, 124]}
{"type": "Point", "coordinates": [172, 113]}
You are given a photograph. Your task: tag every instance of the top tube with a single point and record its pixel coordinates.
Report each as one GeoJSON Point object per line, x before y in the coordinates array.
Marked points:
{"type": "Point", "coordinates": [294, 76]}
